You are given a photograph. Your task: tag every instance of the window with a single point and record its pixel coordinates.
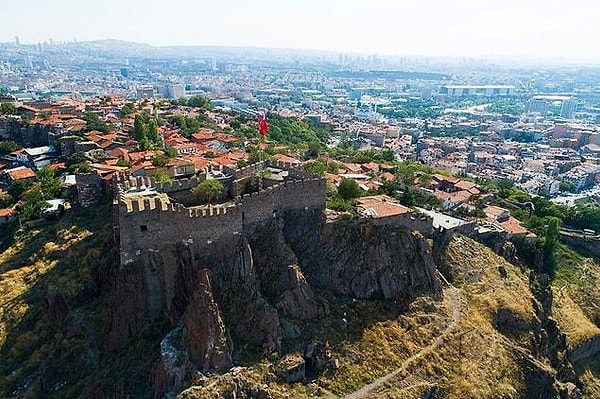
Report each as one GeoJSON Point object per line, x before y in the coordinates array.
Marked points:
{"type": "Point", "coordinates": [143, 228]}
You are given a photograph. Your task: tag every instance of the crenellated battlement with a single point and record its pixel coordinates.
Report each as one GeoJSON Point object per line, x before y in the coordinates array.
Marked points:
{"type": "Point", "coordinates": [249, 170]}
{"type": "Point", "coordinates": [180, 184]}
{"type": "Point", "coordinates": [284, 165]}
{"type": "Point", "coordinates": [148, 218]}
{"type": "Point", "coordinates": [139, 200]}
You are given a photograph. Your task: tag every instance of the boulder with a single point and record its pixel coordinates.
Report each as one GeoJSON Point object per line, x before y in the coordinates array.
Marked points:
{"type": "Point", "coordinates": [290, 368]}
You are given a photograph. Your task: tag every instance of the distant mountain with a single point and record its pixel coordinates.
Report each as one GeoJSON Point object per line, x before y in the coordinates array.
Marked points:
{"type": "Point", "coordinates": [121, 48]}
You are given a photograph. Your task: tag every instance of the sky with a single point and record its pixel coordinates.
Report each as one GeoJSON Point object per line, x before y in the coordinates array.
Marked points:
{"type": "Point", "coordinates": [551, 28]}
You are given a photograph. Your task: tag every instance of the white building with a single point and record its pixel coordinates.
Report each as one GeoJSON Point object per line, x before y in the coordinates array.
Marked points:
{"type": "Point", "coordinates": [477, 90]}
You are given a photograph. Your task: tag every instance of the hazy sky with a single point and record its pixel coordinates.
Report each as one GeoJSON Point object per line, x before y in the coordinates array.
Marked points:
{"type": "Point", "coordinates": [410, 27]}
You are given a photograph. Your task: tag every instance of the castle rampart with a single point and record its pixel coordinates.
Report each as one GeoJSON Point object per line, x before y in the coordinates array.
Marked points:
{"type": "Point", "coordinates": [148, 219]}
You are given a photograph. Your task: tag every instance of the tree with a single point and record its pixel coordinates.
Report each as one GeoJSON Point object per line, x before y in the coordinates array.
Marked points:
{"type": "Point", "coordinates": [49, 183]}
{"type": "Point", "coordinates": [318, 167]}
{"type": "Point", "coordinates": [348, 189]}
{"type": "Point", "coordinates": [6, 200]}
{"type": "Point", "coordinates": [162, 177]}
{"type": "Point", "coordinates": [160, 160]}
{"type": "Point", "coordinates": [566, 186]}
{"type": "Point", "coordinates": [170, 152]}
{"type": "Point", "coordinates": [8, 109]}
{"type": "Point", "coordinates": [314, 149]}
{"type": "Point", "coordinates": [390, 187]}
{"type": "Point", "coordinates": [128, 109]}
{"type": "Point", "coordinates": [145, 131]}
{"type": "Point", "coordinates": [153, 130]}
{"type": "Point", "coordinates": [123, 163]}
{"type": "Point", "coordinates": [208, 189]}
{"type": "Point", "coordinates": [406, 173]}
{"type": "Point", "coordinates": [93, 122]}
{"type": "Point", "coordinates": [139, 127]}
{"type": "Point", "coordinates": [81, 167]}
{"type": "Point", "coordinates": [34, 203]}
{"type": "Point", "coordinates": [18, 187]}
{"type": "Point", "coordinates": [199, 102]}
{"type": "Point", "coordinates": [235, 123]}
{"type": "Point", "coordinates": [6, 147]}
{"type": "Point", "coordinates": [505, 186]}
{"type": "Point", "coordinates": [549, 242]}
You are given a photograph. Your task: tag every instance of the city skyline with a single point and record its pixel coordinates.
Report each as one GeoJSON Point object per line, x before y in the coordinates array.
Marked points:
{"type": "Point", "coordinates": [431, 28]}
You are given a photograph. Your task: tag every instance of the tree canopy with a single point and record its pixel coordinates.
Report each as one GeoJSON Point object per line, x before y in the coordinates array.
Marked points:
{"type": "Point", "coordinates": [93, 122]}
{"type": "Point", "coordinates": [348, 189]}
{"type": "Point", "coordinates": [207, 189]}
{"type": "Point", "coordinates": [145, 131]}
{"type": "Point", "coordinates": [6, 147]}
{"type": "Point", "coordinates": [8, 109]}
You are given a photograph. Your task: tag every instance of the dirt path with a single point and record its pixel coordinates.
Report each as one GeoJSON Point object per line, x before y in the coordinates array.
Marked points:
{"type": "Point", "coordinates": [456, 305]}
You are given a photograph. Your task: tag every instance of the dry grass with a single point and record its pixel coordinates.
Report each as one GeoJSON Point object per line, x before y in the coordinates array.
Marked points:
{"type": "Point", "coordinates": [571, 318]}
{"type": "Point", "coordinates": [42, 261]}
{"type": "Point", "coordinates": [579, 278]}
{"type": "Point", "coordinates": [474, 361]}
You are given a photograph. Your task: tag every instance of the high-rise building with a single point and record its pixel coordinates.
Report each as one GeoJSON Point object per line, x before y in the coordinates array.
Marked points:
{"type": "Point", "coordinates": [538, 105]}
{"type": "Point", "coordinates": [145, 92]}
{"type": "Point", "coordinates": [17, 41]}
{"type": "Point", "coordinates": [567, 109]}
{"type": "Point", "coordinates": [175, 91]}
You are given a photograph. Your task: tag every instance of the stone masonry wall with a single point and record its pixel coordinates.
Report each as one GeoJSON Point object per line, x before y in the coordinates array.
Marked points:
{"type": "Point", "coordinates": [423, 224]}
{"type": "Point", "coordinates": [149, 224]}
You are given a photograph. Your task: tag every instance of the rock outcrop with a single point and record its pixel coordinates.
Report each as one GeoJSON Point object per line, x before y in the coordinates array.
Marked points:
{"type": "Point", "coordinates": [255, 289]}
{"type": "Point", "coordinates": [364, 260]}
{"type": "Point", "coordinates": [204, 332]}
{"type": "Point", "coordinates": [56, 309]}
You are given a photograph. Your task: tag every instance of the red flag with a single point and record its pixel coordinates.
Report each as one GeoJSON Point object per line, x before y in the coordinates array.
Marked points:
{"type": "Point", "coordinates": [263, 126]}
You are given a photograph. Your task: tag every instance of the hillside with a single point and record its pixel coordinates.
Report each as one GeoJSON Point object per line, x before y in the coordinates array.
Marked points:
{"type": "Point", "coordinates": [72, 322]}
{"type": "Point", "coordinates": [481, 341]}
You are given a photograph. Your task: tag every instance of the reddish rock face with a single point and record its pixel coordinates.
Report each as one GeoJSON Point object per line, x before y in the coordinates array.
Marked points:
{"type": "Point", "coordinates": [57, 309]}
{"type": "Point", "coordinates": [204, 332]}
{"type": "Point", "coordinates": [240, 288]}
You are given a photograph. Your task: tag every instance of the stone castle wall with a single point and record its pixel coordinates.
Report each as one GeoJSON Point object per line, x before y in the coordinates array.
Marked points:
{"type": "Point", "coordinates": [421, 223]}
{"type": "Point", "coordinates": [150, 223]}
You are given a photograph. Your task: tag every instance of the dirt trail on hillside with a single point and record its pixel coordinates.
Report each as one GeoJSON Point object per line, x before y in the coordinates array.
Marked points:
{"type": "Point", "coordinates": [456, 305]}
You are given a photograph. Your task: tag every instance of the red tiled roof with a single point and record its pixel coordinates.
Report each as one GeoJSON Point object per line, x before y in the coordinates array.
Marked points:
{"type": "Point", "coordinates": [226, 138]}
{"type": "Point", "coordinates": [21, 173]}
{"type": "Point", "coordinates": [381, 206]}
{"type": "Point", "coordinates": [353, 167]}
{"type": "Point", "coordinates": [201, 136]}
{"type": "Point", "coordinates": [451, 180]}
{"type": "Point", "coordinates": [460, 196]}
{"type": "Point", "coordinates": [57, 166]}
{"type": "Point", "coordinates": [224, 160]}
{"type": "Point", "coordinates": [513, 226]}
{"type": "Point", "coordinates": [7, 212]}
{"type": "Point", "coordinates": [388, 176]}
{"type": "Point", "coordinates": [369, 166]}
{"type": "Point", "coordinates": [238, 154]}
{"type": "Point", "coordinates": [119, 152]}
{"type": "Point", "coordinates": [285, 158]}
{"type": "Point", "coordinates": [495, 211]}
{"type": "Point", "coordinates": [199, 162]}
{"type": "Point", "coordinates": [335, 179]}
{"type": "Point", "coordinates": [464, 185]}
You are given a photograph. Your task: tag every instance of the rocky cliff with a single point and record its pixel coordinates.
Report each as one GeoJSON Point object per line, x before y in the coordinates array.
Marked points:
{"type": "Point", "coordinates": [294, 308]}
{"type": "Point", "coordinates": [248, 293]}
